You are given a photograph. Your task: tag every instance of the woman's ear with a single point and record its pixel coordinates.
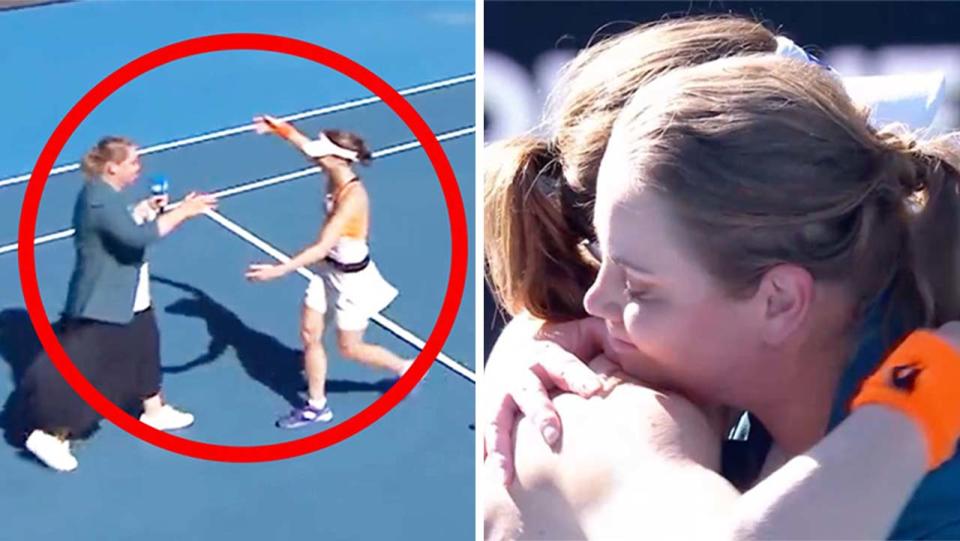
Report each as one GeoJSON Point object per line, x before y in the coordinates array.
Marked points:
{"type": "Point", "coordinates": [785, 295]}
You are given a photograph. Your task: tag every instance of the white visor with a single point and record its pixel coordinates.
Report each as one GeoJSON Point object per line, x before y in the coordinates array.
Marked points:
{"type": "Point", "coordinates": [323, 146]}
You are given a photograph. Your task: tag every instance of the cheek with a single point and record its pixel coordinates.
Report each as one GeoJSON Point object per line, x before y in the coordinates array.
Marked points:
{"type": "Point", "coordinates": [692, 342]}
{"type": "Point", "coordinates": [662, 331]}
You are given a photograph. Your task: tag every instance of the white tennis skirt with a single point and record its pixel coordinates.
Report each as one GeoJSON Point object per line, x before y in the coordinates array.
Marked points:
{"type": "Point", "coordinates": [355, 296]}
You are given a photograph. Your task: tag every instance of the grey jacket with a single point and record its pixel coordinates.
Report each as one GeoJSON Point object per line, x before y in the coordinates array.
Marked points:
{"type": "Point", "coordinates": [110, 248]}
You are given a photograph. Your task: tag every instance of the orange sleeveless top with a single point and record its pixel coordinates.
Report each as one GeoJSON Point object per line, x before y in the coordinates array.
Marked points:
{"type": "Point", "coordinates": [358, 224]}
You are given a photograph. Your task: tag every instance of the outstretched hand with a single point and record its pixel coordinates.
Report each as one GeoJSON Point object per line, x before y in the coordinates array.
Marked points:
{"type": "Point", "coordinates": [265, 272]}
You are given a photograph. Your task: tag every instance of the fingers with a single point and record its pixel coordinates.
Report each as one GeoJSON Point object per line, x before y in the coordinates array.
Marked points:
{"type": "Point", "coordinates": [198, 203]}
{"type": "Point", "coordinates": [259, 272]}
{"type": "Point", "coordinates": [261, 125]}
{"type": "Point", "coordinates": [208, 202]}
{"type": "Point", "coordinates": [527, 395]}
{"type": "Point", "coordinates": [556, 365]}
{"type": "Point", "coordinates": [266, 124]}
{"type": "Point", "coordinates": [498, 440]}
{"type": "Point", "coordinates": [520, 385]}
{"type": "Point", "coordinates": [157, 202]}
{"type": "Point", "coordinates": [200, 196]}
{"type": "Point", "coordinates": [255, 276]}
{"type": "Point", "coordinates": [206, 198]}
{"type": "Point", "coordinates": [608, 371]}
{"type": "Point", "coordinates": [531, 398]}
{"type": "Point", "coordinates": [257, 268]}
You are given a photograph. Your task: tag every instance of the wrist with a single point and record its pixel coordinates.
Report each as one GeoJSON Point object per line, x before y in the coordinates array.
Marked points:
{"type": "Point", "coordinates": [919, 380]}
{"type": "Point", "coordinates": [284, 130]}
{"type": "Point", "coordinates": [181, 213]}
{"type": "Point", "coordinates": [904, 434]}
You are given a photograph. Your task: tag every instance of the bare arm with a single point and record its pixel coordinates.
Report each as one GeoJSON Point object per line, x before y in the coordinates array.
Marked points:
{"type": "Point", "coordinates": [852, 485]}
{"type": "Point", "coordinates": [353, 201]}
{"type": "Point", "coordinates": [282, 129]}
{"type": "Point", "coordinates": [192, 205]}
{"type": "Point", "coordinates": [857, 480]}
{"type": "Point", "coordinates": [633, 462]}
{"type": "Point", "coordinates": [633, 466]}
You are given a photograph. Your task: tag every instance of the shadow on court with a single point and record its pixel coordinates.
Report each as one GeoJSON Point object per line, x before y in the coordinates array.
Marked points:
{"type": "Point", "coordinates": [264, 358]}
{"type": "Point", "coordinates": [19, 345]}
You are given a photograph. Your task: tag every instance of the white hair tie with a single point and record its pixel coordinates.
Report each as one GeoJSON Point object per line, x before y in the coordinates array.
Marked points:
{"type": "Point", "coordinates": [786, 47]}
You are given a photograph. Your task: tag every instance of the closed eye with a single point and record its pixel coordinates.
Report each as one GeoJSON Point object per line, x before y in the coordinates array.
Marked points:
{"type": "Point", "coordinates": [639, 295]}
{"type": "Point", "coordinates": [638, 290]}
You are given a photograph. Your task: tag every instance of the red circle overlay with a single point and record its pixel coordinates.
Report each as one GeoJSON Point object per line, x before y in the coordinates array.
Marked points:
{"type": "Point", "coordinates": [227, 42]}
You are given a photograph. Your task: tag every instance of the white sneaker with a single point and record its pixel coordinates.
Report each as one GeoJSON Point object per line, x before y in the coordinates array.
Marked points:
{"type": "Point", "coordinates": [168, 418]}
{"type": "Point", "coordinates": [52, 451]}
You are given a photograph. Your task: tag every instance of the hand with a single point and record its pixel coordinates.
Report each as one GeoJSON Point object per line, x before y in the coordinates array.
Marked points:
{"type": "Point", "coordinates": [264, 273]}
{"type": "Point", "coordinates": [157, 202]}
{"type": "Point", "coordinates": [195, 204]}
{"type": "Point", "coordinates": [519, 384]}
{"type": "Point", "coordinates": [267, 124]}
{"type": "Point", "coordinates": [144, 212]}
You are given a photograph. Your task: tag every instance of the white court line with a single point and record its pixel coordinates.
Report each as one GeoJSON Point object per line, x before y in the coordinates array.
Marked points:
{"type": "Point", "coordinates": [403, 147]}
{"type": "Point", "coordinates": [249, 127]}
{"type": "Point", "coordinates": [256, 185]}
{"type": "Point", "coordinates": [59, 235]}
{"type": "Point", "coordinates": [397, 330]}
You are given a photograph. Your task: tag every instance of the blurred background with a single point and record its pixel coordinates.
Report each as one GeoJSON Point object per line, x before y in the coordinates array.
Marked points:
{"type": "Point", "coordinates": [526, 43]}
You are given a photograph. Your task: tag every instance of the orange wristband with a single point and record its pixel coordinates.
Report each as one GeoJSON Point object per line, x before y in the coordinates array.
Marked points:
{"type": "Point", "coordinates": [921, 378]}
{"type": "Point", "coordinates": [283, 129]}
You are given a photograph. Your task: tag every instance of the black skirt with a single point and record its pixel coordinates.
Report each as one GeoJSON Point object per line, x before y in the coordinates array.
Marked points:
{"type": "Point", "coordinates": [121, 361]}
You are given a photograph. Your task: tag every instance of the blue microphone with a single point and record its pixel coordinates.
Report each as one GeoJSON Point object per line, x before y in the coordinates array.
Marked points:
{"type": "Point", "coordinates": [159, 186]}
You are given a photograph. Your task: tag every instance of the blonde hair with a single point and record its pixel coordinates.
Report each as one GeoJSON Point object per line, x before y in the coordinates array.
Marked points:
{"type": "Point", "coordinates": [108, 149]}
{"type": "Point", "coordinates": [766, 160]}
{"type": "Point", "coordinates": [538, 193]}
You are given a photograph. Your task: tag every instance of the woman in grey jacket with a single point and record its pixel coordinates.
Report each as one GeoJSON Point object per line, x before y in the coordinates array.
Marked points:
{"type": "Point", "coordinates": [108, 327]}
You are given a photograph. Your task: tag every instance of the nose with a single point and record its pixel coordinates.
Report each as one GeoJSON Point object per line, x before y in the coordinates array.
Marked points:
{"type": "Point", "coordinates": [603, 299]}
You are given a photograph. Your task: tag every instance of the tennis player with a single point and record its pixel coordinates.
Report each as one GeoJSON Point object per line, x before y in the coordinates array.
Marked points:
{"type": "Point", "coordinates": [348, 280]}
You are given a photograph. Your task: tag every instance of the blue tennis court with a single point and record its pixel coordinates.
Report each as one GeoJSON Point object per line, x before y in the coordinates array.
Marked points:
{"type": "Point", "coordinates": [231, 348]}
